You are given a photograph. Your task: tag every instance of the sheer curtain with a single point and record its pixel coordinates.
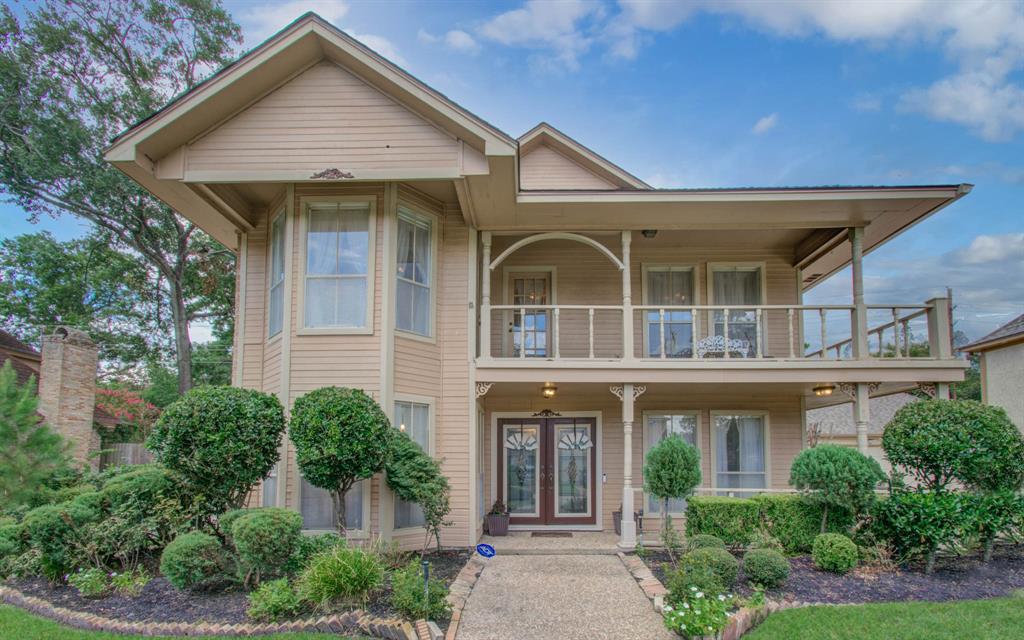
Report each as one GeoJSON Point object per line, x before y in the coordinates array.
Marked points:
{"type": "Point", "coordinates": [413, 418]}
{"type": "Point", "coordinates": [337, 264]}
{"type": "Point", "coordinates": [317, 508]}
{"type": "Point", "coordinates": [740, 452]}
{"type": "Point", "coordinates": [414, 264]}
{"type": "Point", "coordinates": [658, 427]}
{"type": "Point", "coordinates": [742, 287]}
{"type": "Point", "coordinates": [670, 286]}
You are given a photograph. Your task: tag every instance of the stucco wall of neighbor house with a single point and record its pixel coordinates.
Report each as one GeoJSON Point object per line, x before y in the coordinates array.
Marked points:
{"type": "Point", "coordinates": [1003, 376]}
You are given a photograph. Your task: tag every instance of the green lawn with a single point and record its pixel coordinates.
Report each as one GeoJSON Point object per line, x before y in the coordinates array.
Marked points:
{"type": "Point", "coordinates": [19, 625]}
{"type": "Point", "coordinates": [1001, 619]}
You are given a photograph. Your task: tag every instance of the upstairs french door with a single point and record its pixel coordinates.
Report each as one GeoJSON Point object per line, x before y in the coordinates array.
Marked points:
{"type": "Point", "coordinates": [528, 331]}
{"type": "Point", "coordinates": [546, 469]}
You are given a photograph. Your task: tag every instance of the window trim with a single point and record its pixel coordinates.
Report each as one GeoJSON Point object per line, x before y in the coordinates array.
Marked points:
{"type": "Point", "coordinates": [507, 341]}
{"type": "Point", "coordinates": [371, 268]}
{"type": "Point", "coordinates": [274, 472]}
{"type": "Point", "coordinates": [746, 266]}
{"type": "Point", "coordinates": [431, 403]}
{"type": "Point", "coordinates": [646, 267]}
{"type": "Point", "coordinates": [282, 215]}
{"type": "Point", "coordinates": [766, 420]}
{"type": "Point", "coordinates": [350, 534]}
{"type": "Point", "coordinates": [698, 442]}
{"type": "Point", "coordinates": [435, 229]}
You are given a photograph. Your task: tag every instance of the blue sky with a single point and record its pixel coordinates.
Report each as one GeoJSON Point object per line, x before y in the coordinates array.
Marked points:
{"type": "Point", "coordinates": [749, 93]}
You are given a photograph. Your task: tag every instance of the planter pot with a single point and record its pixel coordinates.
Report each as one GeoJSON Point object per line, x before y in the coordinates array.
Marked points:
{"type": "Point", "coordinates": [497, 524]}
{"type": "Point", "coordinates": [617, 521]}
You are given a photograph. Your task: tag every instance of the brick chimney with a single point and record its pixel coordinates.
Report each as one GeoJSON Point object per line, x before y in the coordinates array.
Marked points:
{"type": "Point", "coordinates": [67, 390]}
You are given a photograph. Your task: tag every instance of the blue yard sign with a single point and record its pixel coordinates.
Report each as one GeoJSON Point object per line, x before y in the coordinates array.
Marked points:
{"type": "Point", "coordinates": [485, 550]}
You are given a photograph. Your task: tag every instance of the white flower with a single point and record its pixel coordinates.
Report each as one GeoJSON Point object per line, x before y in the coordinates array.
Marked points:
{"type": "Point", "coordinates": [686, 605]}
{"type": "Point", "coordinates": [693, 588]}
{"type": "Point", "coordinates": [700, 594]}
{"type": "Point", "coordinates": [721, 598]}
{"type": "Point", "coordinates": [667, 607]}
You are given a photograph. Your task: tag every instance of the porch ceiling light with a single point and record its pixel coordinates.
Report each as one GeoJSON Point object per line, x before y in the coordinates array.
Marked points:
{"type": "Point", "coordinates": [824, 389]}
{"type": "Point", "coordinates": [549, 390]}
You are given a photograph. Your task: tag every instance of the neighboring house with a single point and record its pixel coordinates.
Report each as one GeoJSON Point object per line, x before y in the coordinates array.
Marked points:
{"type": "Point", "coordinates": [1002, 368]}
{"type": "Point", "coordinates": [837, 424]}
{"type": "Point", "coordinates": [532, 314]}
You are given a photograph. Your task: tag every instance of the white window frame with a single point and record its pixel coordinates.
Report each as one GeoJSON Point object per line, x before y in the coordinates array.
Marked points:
{"type": "Point", "coordinates": [431, 403]}
{"type": "Point", "coordinates": [697, 443]}
{"type": "Point", "coordinates": [350, 534]}
{"type": "Point", "coordinates": [371, 268]}
{"type": "Point", "coordinates": [766, 421]}
{"type": "Point", "coordinates": [645, 268]}
{"type": "Point", "coordinates": [506, 296]}
{"type": "Point", "coordinates": [736, 266]}
{"type": "Point", "coordinates": [273, 473]}
{"type": "Point", "coordinates": [283, 218]}
{"type": "Point", "coordinates": [435, 228]}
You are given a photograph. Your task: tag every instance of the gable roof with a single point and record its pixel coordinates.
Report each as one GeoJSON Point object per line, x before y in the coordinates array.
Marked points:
{"type": "Point", "coordinates": [1010, 333]}
{"type": "Point", "coordinates": [547, 135]}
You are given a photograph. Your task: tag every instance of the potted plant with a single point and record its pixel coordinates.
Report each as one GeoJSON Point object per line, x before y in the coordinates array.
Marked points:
{"type": "Point", "coordinates": [497, 519]}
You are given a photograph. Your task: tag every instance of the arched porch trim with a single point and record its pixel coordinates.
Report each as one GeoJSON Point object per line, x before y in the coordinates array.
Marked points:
{"type": "Point", "coordinates": [556, 235]}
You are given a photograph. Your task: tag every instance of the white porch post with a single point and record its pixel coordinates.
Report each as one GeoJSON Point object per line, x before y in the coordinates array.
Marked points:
{"type": "Point", "coordinates": [627, 301]}
{"type": "Point", "coordinates": [860, 314]}
{"type": "Point", "coordinates": [942, 391]}
{"type": "Point", "coordinates": [862, 415]}
{"type": "Point", "coordinates": [485, 296]}
{"type": "Point", "coordinates": [628, 393]}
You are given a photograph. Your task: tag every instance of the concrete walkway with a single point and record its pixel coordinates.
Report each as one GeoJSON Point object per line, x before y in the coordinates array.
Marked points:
{"type": "Point", "coordinates": [521, 597]}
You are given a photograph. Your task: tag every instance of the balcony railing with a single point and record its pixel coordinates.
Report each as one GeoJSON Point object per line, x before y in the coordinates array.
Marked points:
{"type": "Point", "coordinates": [718, 332]}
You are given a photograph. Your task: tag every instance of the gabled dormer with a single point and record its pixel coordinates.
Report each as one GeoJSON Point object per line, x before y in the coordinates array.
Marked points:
{"type": "Point", "coordinates": [549, 160]}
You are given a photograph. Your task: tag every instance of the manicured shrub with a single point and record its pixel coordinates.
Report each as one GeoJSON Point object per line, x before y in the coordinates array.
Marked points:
{"type": "Point", "coordinates": [682, 581]}
{"type": "Point", "coordinates": [91, 583]}
{"type": "Point", "coordinates": [193, 560]}
{"type": "Point", "coordinates": [416, 477]}
{"type": "Point", "coordinates": [671, 470]}
{"type": "Point", "coordinates": [766, 567]}
{"type": "Point", "coordinates": [761, 539]}
{"type": "Point", "coordinates": [94, 500]}
{"type": "Point", "coordinates": [227, 520]}
{"type": "Point", "coordinates": [221, 441]}
{"type": "Point", "coordinates": [407, 595]}
{"type": "Point", "coordinates": [273, 601]}
{"type": "Point", "coordinates": [917, 523]}
{"type": "Point", "coordinates": [341, 436]}
{"type": "Point", "coordinates": [719, 561]}
{"type": "Point", "coordinates": [732, 519]}
{"type": "Point", "coordinates": [834, 477]}
{"type": "Point", "coordinates": [992, 513]}
{"type": "Point", "coordinates": [795, 522]}
{"type": "Point", "coordinates": [265, 540]}
{"type": "Point", "coordinates": [341, 575]}
{"type": "Point", "coordinates": [834, 552]}
{"type": "Point", "coordinates": [55, 531]}
{"type": "Point", "coordinates": [12, 545]}
{"type": "Point", "coordinates": [309, 547]}
{"type": "Point", "coordinates": [704, 541]}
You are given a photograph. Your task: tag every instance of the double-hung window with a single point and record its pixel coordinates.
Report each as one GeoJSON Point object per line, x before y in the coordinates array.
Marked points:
{"type": "Point", "coordinates": [276, 315]}
{"type": "Point", "coordinates": [740, 451]}
{"type": "Point", "coordinates": [413, 289]}
{"type": "Point", "coordinates": [669, 286]}
{"type": "Point", "coordinates": [338, 265]}
{"type": "Point", "coordinates": [738, 287]}
{"type": "Point", "coordinates": [319, 513]}
{"type": "Point", "coordinates": [269, 497]}
{"type": "Point", "coordinates": [413, 419]}
{"type": "Point", "coordinates": [657, 427]}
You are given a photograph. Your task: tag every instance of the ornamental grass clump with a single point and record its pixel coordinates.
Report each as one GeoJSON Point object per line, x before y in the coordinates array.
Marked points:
{"type": "Point", "coordinates": [340, 576]}
{"type": "Point", "coordinates": [835, 553]}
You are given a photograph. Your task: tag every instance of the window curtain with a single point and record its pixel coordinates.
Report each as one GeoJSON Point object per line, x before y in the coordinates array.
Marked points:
{"type": "Point", "coordinates": [738, 287]}
{"type": "Point", "coordinates": [415, 418]}
{"type": "Point", "coordinates": [656, 429]}
{"type": "Point", "coordinates": [740, 452]}
{"type": "Point", "coordinates": [670, 287]}
{"type": "Point", "coordinates": [317, 508]}
{"type": "Point", "coordinates": [337, 264]}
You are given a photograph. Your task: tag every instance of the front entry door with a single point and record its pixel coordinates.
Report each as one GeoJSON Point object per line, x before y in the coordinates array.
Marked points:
{"type": "Point", "coordinates": [546, 469]}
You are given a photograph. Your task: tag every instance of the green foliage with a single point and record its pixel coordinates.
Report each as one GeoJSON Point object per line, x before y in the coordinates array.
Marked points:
{"type": "Point", "coordinates": [407, 596]}
{"type": "Point", "coordinates": [719, 561]}
{"type": "Point", "coordinates": [835, 477]}
{"type": "Point", "coordinates": [939, 441]}
{"type": "Point", "coordinates": [55, 531]}
{"type": "Point", "coordinates": [992, 514]}
{"type": "Point", "coordinates": [795, 522]}
{"type": "Point", "coordinates": [416, 477]}
{"type": "Point", "coordinates": [766, 567]}
{"type": "Point", "coordinates": [130, 583]}
{"type": "Point", "coordinates": [731, 519]}
{"type": "Point", "coordinates": [341, 436]}
{"type": "Point", "coordinates": [226, 521]}
{"type": "Point", "coordinates": [266, 539]}
{"type": "Point", "coordinates": [221, 441]}
{"type": "Point", "coordinates": [341, 575]}
{"type": "Point", "coordinates": [682, 580]}
{"type": "Point", "coordinates": [29, 450]}
{"type": "Point", "coordinates": [193, 560]}
{"type": "Point", "coordinates": [12, 545]}
{"type": "Point", "coordinates": [274, 601]}
{"type": "Point", "coordinates": [91, 582]}
{"type": "Point", "coordinates": [671, 470]}
{"type": "Point", "coordinates": [761, 539]}
{"type": "Point", "coordinates": [704, 541]}
{"type": "Point", "coordinates": [702, 614]}
{"type": "Point", "coordinates": [917, 523]}
{"type": "Point", "coordinates": [308, 547]}
{"type": "Point", "coordinates": [834, 552]}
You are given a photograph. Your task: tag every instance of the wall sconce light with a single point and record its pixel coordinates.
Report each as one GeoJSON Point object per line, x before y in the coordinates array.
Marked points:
{"type": "Point", "coordinates": [401, 427]}
{"type": "Point", "coordinates": [823, 390]}
{"type": "Point", "coordinates": [549, 390]}
{"type": "Point", "coordinates": [649, 233]}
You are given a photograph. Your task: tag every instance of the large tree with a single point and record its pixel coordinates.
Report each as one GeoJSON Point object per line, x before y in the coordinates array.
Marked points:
{"type": "Point", "coordinates": [73, 75]}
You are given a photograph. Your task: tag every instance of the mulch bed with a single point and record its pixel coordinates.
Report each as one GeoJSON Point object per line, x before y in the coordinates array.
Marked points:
{"type": "Point", "coordinates": [159, 601]}
{"type": "Point", "coordinates": [961, 578]}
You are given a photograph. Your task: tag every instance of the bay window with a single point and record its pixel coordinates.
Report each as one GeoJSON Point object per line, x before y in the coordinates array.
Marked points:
{"type": "Point", "coordinates": [319, 514]}
{"type": "Point", "coordinates": [740, 451]}
{"type": "Point", "coordinates": [413, 289]}
{"type": "Point", "coordinates": [657, 427]}
{"type": "Point", "coordinates": [338, 280]}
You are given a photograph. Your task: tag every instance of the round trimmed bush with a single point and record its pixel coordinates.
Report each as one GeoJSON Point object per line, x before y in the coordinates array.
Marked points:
{"type": "Point", "coordinates": [834, 552]}
{"type": "Point", "coordinates": [719, 561]}
{"type": "Point", "coordinates": [704, 541]}
{"type": "Point", "coordinates": [227, 520]}
{"type": "Point", "coordinates": [836, 477]}
{"type": "Point", "coordinates": [193, 560]}
{"type": "Point", "coordinates": [266, 539]}
{"type": "Point", "coordinates": [52, 530]}
{"type": "Point", "coordinates": [339, 575]}
{"type": "Point", "coordinates": [766, 567]}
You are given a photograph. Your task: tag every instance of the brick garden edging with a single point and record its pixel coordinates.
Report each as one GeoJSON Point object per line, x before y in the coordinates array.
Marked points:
{"type": "Point", "coordinates": [348, 622]}
{"type": "Point", "coordinates": [459, 590]}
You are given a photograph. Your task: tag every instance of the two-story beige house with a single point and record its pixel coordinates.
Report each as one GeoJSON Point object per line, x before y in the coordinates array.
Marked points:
{"type": "Point", "coordinates": [529, 312]}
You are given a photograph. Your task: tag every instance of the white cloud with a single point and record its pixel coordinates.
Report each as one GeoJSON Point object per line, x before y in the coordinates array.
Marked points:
{"type": "Point", "coordinates": [866, 102]}
{"type": "Point", "coordinates": [549, 26]}
{"type": "Point", "coordinates": [982, 101]}
{"type": "Point", "coordinates": [987, 249]}
{"type": "Point", "coordinates": [426, 37]}
{"type": "Point", "coordinates": [456, 40]}
{"type": "Point", "coordinates": [766, 124]}
{"type": "Point", "coordinates": [261, 21]}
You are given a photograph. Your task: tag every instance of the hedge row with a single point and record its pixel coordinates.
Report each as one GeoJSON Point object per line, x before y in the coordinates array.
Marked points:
{"type": "Point", "coordinates": [790, 518]}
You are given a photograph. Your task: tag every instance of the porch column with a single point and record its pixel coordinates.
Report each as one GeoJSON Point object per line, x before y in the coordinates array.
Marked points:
{"type": "Point", "coordinates": [860, 313]}
{"type": "Point", "coordinates": [628, 393]}
{"type": "Point", "coordinates": [942, 391]}
{"type": "Point", "coordinates": [485, 296]}
{"type": "Point", "coordinates": [627, 300]}
{"type": "Point", "coordinates": [862, 415]}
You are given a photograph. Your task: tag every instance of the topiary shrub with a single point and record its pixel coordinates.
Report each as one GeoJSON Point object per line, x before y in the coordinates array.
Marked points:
{"type": "Point", "coordinates": [407, 596]}
{"type": "Point", "coordinates": [704, 541]}
{"type": "Point", "coordinates": [274, 601]}
{"type": "Point", "coordinates": [341, 575]}
{"type": "Point", "coordinates": [193, 560]}
{"type": "Point", "coordinates": [834, 477]}
{"type": "Point", "coordinates": [55, 531]}
{"type": "Point", "coordinates": [766, 567]}
{"type": "Point", "coordinates": [733, 520]}
{"type": "Point", "coordinates": [416, 477]}
{"type": "Point", "coordinates": [917, 523]}
{"type": "Point", "coordinates": [834, 552]}
{"type": "Point", "coordinates": [795, 522]}
{"type": "Point", "coordinates": [671, 470]}
{"type": "Point", "coordinates": [265, 540]}
{"type": "Point", "coordinates": [719, 561]}
{"type": "Point", "coordinates": [341, 436]}
{"type": "Point", "coordinates": [221, 441]}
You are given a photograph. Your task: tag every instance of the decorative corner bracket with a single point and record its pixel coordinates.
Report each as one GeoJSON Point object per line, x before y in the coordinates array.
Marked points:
{"type": "Point", "coordinates": [482, 388]}
{"type": "Point", "coordinates": [638, 390]}
{"type": "Point", "coordinates": [850, 388]}
{"type": "Point", "coordinates": [929, 388]}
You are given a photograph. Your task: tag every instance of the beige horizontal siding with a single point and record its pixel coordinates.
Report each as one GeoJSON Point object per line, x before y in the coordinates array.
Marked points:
{"type": "Point", "coordinates": [545, 168]}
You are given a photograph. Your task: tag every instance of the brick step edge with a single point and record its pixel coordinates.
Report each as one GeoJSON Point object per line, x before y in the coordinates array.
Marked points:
{"type": "Point", "coordinates": [350, 621]}
{"type": "Point", "coordinates": [459, 590]}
